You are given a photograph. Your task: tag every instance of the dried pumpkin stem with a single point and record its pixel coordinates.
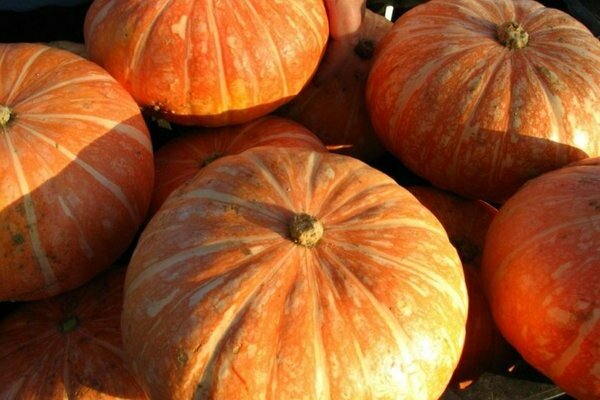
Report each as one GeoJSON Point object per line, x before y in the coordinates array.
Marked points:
{"type": "Point", "coordinates": [512, 35]}
{"type": "Point", "coordinates": [305, 230]}
{"type": "Point", "coordinates": [5, 115]}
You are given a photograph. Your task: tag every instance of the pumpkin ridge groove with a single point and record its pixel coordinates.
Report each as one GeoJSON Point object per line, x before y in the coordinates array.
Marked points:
{"type": "Point", "coordinates": [16, 86]}
{"type": "Point", "coordinates": [485, 88]}
{"type": "Point", "coordinates": [213, 29]}
{"type": "Point", "coordinates": [32, 225]}
{"type": "Point", "coordinates": [204, 375]}
{"type": "Point", "coordinates": [271, 179]}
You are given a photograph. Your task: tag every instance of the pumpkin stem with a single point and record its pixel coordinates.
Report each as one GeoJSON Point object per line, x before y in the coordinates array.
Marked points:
{"type": "Point", "coordinates": [5, 115]}
{"type": "Point", "coordinates": [68, 324]}
{"type": "Point", "coordinates": [364, 49]}
{"type": "Point", "coordinates": [305, 230]}
{"type": "Point", "coordinates": [512, 35]}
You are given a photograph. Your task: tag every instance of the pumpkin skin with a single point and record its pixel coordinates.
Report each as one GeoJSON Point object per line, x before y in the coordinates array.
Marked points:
{"type": "Point", "coordinates": [208, 63]}
{"type": "Point", "coordinates": [466, 222]}
{"type": "Point", "coordinates": [540, 271]}
{"type": "Point", "coordinates": [222, 300]}
{"type": "Point", "coordinates": [182, 158]}
{"type": "Point", "coordinates": [335, 110]}
{"type": "Point", "coordinates": [68, 346]}
{"type": "Point", "coordinates": [76, 171]}
{"type": "Point", "coordinates": [475, 117]}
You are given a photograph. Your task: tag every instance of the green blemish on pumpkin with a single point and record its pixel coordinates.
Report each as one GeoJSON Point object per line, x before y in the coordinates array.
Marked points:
{"type": "Point", "coordinates": [18, 239]}
{"type": "Point", "coordinates": [68, 324]}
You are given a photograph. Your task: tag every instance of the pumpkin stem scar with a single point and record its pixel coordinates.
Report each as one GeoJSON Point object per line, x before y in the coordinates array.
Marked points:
{"type": "Point", "coordinates": [365, 49]}
{"type": "Point", "coordinates": [305, 230]}
{"type": "Point", "coordinates": [68, 324]}
{"type": "Point", "coordinates": [512, 35]}
{"type": "Point", "coordinates": [5, 115]}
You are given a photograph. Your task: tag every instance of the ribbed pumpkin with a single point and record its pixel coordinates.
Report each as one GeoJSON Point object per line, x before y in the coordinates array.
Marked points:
{"type": "Point", "coordinates": [540, 269]}
{"type": "Point", "coordinates": [76, 170]}
{"type": "Point", "coordinates": [182, 158]}
{"type": "Point", "coordinates": [466, 222]}
{"type": "Point", "coordinates": [478, 96]}
{"type": "Point", "coordinates": [335, 110]}
{"type": "Point", "coordinates": [68, 346]}
{"type": "Point", "coordinates": [210, 63]}
{"type": "Point", "coordinates": [285, 273]}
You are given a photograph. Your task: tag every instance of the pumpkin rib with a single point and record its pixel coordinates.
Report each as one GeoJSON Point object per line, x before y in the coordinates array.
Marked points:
{"type": "Point", "coordinates": [188, 59]}
{"type": "Point", "coordinates": [274, 48]}
{"type": "Point", "coordinates": [223, 329]}
{"type": "Point", "coordinates": [567, 356]}
{"type": "Point", "coordinates": [272, 180]}
{"type": "Point", "coordinates": [486, 87]}
{"type": "Point", "coordinates": [133, 73]}
{"type": "Point", "coordinates": [213, 29]}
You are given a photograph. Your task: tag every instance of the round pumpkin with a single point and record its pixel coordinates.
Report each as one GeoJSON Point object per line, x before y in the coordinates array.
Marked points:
{"type": "Point", "coordinates": [466, 222]}
{"type": "Point", "coordinates": [335, 110]}
{"type": "Point", "coordinates": [182, 158]}
{"type": "Point", "coordinates": [540, 270]}
{"type": "Point", "coordinates": [210, 63]}
{"type": "Point", "coordinates": [478, 96]}
{"type": "Point", "coordinates": [289, 273]}
{"type": "Point", "coordinates": [76, 170]}
{"type": "Point", "coordinates": [68, 346]}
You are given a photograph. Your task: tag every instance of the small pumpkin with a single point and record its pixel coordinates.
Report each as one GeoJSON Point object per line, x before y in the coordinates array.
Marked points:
{"type": "Point", "coordinates": [210, 63]}
{"type": "Point", "coordinates": [76, 171]}
{"type": "Point", "coordinates": [466, 221]}
{"type": "Point", "coordinates": [540, 273]}
{"type": "Point", "coordinates": [68, 346]}
{"type": "Point", "coordinates": [335, 110]}
{"type": "Point", "coordinates": [183, 157]}
{"type": "Point", "coordinates": [479, 96]}
{"type": "Point", "coordinates": [289, 273]}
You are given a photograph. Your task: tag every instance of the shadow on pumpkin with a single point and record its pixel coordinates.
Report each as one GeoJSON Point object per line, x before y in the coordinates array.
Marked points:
{"type": "Point", "coordinates": [73, 198]}
{"type": "Point", "coordinates": [488, 165]}
{"type": "Point", "coordinates": [69, 343]}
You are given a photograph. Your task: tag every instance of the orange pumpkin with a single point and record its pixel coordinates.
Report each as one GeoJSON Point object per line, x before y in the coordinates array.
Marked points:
{"type": "Point", "coordinates": [335, 110]}
{"type": "Point", "coordinates": [76, 170]}
{"type": "Point", "coordinates": [68, 346]}
{"type": "Point", "coordinates": [540, 270]}
{"type": "Point", "coordinates": [288, 273]}
{"type": "Point", "coordinates": [209, 63]}
{"type": "Point", "coordinates": [466, 222]}
{"type": "Point", "coordinates": [182, 158]}
{"type": "Point", "coordinates": [478, 96]}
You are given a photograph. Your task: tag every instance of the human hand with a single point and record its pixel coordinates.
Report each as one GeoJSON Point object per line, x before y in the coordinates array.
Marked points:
{"type": "Point", "coordinates": [345, 18]}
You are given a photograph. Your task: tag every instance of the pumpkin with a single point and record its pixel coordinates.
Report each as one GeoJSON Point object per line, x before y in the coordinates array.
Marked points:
{"type": "Point", "coordinates": [540, 271]}
{"type": "Point", "coordinates": [76, 171]}
{"type": "Point", "coordinates": [183, 157]}
{"type": "Point", "coordinates": [68, 346]}
{"type": "Point", "coordinates": [466, 222]}
{"type": "Point", "coordinates": [478, 96]}
{"type": "Point", "coordinates": [288, 273]}
{"type": "Point", "coordinates": [208, 63]}
{"type": "Point", "coordinates": [73, 47]}
{"type": "Point", "coordinates": [335, 110]}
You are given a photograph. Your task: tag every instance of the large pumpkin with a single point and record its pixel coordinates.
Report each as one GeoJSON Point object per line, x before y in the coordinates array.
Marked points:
{"type": "Point", "coordinates": [335, 110]}
{"type": "Point", "coordinates": [478, 96]}
{"type": "Point", "coordinates": [182, 158]}
{"type": "Point", "coordinates": [540, 269]}
{"type": "Point", "coordinates": [68, 346]}
{"type": "Point", "coordinates": [466, 222]}
{"type": "Point", "coordinates": [76, 170]}
{"type": "Point", "coordinates": [210, 63]}
{"type": "Point", "coordinates": [285, 273]}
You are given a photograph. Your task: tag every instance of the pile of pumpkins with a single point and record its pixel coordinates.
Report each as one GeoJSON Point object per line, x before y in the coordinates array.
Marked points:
{"type": "Point", "coordinates": [271, 258]}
